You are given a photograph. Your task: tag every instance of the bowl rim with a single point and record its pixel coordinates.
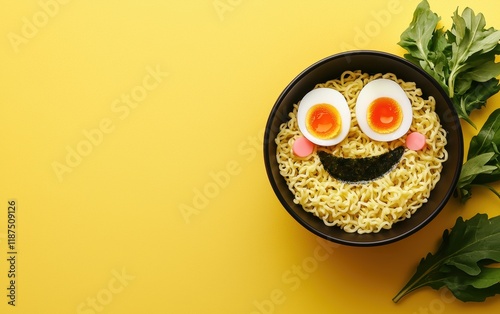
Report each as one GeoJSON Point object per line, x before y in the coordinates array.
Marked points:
{"type": "Point", "coordinates": [295, 81]}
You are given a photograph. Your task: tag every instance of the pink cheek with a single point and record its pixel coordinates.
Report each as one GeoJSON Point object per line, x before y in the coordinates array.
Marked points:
{"type": "Point", "coordinates": [302, 147]}
{"type": "Point", "coordinates": [415, 141]}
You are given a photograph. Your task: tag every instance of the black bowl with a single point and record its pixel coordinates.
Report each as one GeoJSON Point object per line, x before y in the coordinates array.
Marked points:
{"type": "Point", "coordinates": [370, 62]}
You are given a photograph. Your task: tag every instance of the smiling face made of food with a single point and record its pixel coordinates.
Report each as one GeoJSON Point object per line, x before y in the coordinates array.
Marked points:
{"type": "Point", "coordinates": [362, 152]}
{"type": "Point", "coordinates": [383, 113]}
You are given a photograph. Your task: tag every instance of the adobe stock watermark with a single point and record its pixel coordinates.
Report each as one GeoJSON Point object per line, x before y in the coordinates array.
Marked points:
{"type": "Point", "coordinates": [98, 302]}
{"type": "Point", "coordinates": [222, 7]}
{"type": "Point", "coordinates": [121, 108]}
{"type": "Point", "coordinates": [219, 179]}
{"type": "Point", "coordinates": [379, 20]}
{"type": "Point", "coordinates": [293, 277]}
{"type": "Point", "coordinates": [31, 26]}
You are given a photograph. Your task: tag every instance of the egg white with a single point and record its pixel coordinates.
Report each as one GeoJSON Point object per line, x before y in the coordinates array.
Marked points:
{"type": "Point", "coordinates": [383, 88]}
{"type": "Point", "coordinates": [324, 96]}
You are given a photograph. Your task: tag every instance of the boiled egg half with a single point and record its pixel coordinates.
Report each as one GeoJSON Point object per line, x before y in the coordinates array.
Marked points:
{"type": "Point", "coordinates": [383, 110]}
{"type": "Point", "coordinates": [324, 117]}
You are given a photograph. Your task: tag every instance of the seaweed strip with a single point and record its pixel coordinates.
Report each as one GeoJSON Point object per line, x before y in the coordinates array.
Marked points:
{"type": "Point", "coordinates": [356, 170]}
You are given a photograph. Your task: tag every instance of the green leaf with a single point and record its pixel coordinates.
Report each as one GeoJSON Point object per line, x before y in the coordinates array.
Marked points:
{"type": "Point", "coordinates": [470, 170]}
{"type": "Point", "coordinates": [481, 71]}
{"type": "Point", "coordinates": [471, 38]}
{"type": "Point", "coordinates": [482, 166]}
{"type": "Point", "coordinates": [487, 278]}
{"type": "Point", "coordinates": [474, 288]}
{"type": "Point", "coordinates": [475, 166]}
{"type": "Point", "coordinates": [419, 36]}
{"type": "Point", "coordinates": [488, 136]}
{"type": "Point", "coordinates": [460, 263]}
{"type": "Point", "coordinates": [475, 98]}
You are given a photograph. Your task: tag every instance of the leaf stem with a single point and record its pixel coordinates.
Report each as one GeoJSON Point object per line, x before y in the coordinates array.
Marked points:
{"type": "Point", "coordinates": [451, 80]}
{"type": "Point", "coordinates": [424, 55]}
{"type": "Point", "coordinates": [402, 293]}
{"type": "Point", "coordinates": [415, 283]}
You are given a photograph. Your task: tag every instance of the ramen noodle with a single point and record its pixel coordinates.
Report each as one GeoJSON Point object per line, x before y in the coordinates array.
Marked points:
{"type": "Point", "coordinates": [366, 207]}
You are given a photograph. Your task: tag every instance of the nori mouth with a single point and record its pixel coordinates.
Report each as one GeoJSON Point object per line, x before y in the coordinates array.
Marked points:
{"type": "Point", "coordinates": [360, 170]}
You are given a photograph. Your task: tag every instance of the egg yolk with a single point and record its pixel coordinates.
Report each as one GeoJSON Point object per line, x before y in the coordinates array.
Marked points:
{"type": "Point", "coordinates": [323, 121]}
{"type": "Point", "coordinates": [384, 115]}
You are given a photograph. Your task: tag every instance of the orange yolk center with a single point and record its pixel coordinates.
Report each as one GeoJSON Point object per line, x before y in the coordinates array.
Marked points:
{"type": "Point", "coordinates": [384, 115]}
{"type": "Point", "coordinates": [323, 121]}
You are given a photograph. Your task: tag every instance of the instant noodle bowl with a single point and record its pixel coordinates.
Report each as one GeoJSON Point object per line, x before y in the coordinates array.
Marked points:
{"type": "Point", "coordinates": [363, 187]}
{"type": "Point", "coordinates": [329, 192]}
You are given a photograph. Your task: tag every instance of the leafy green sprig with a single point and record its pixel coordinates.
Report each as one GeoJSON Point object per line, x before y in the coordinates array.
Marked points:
{"type": "Point", "coordinates": [483, 159]}
{"type": "Point", "coordinates": [462, 61]}
{"type": "Point", "coordinates": [464, 263]}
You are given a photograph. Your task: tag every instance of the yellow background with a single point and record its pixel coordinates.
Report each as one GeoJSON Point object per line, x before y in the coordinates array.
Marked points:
{"type": "Point", "coordinates": [170, 209]}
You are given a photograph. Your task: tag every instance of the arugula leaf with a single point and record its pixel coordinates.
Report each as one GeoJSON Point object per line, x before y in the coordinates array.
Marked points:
{"type": "Point", "coordinates": [421, 31]}
{"type": "Point", "coordinates": [470, 38]}
{"type": "Point", "coordinates": [482, 165]}
{"type": "Point", "coordinates": [470, 171]}
{"type": "Point", "coordinates": [474, 288]}
{"type": "Point", "coordinates": [462, 59]}
{"type": "Point", "coordinates": [475, 98]}
{"type": "Point", "coordinates": [488, 136]}
{"type": "Point", "coordinates": [461, 261]}
{"type": "Point", "coordinates": [475, 166]}
{"type": "Point", "coordinates": [471, 59]}
{"type": "Point", "coordinates": [425, 44]}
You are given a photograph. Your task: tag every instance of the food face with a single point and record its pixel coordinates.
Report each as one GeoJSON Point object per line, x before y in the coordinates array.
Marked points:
{"type": "Point", "coordinates": [383, 113]}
